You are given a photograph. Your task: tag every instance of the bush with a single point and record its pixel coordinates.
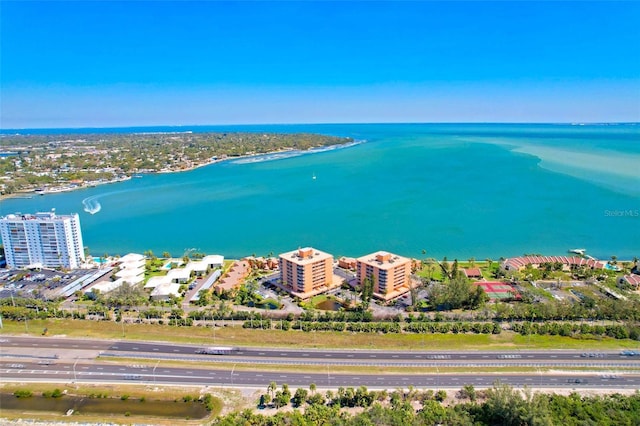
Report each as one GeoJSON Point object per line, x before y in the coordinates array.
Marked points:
{"type": "Point", "coordinates": [124, 397]}
{"type": "Point", "coordinates": [23, 393]}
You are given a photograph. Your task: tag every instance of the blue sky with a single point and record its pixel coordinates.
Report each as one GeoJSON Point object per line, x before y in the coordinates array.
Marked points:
{"type": "Point", "coordinates": [107, 63]}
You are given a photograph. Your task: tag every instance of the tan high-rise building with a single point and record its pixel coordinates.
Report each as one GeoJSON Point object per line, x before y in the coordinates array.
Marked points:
{"type": "Point", "coordinates": [391, 274]}
{"type": "Point", "coordinates": [306, 272]}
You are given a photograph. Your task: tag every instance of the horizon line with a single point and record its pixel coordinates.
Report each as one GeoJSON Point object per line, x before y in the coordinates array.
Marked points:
{"type": "Point", "coordinates": [574, 123]}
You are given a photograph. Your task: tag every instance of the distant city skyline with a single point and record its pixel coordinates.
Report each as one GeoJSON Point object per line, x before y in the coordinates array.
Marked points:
{"type": "Point", "coordinates": [102, 64]}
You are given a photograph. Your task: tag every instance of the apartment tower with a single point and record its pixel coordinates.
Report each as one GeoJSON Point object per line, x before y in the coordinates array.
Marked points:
{"type": "Point", "coordinates": [306, 272]}
{"type": "Point", "coordinates": [42, 239]}
{"type": "Point", "coordinates": [390, 274]}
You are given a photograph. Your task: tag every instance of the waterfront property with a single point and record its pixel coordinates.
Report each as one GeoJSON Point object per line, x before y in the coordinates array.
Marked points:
{"type": "Point", "coordinates": [131, 269]}
{"type": "Point", "coordinates": [307, 272]}
{"type": "Point", "coordinates": [233, 277]}
{"type": "Point", "coordinates": [391, 274]}
{"type": "Point", "coordinates": [349, 263]}
{"type": "Point", "coordinates": [567, 262]}
{"type": "Point", "coordinates": [42, 239]}
{"type": "Point", "coordinates": [268, 263]}
{"type": "Point", "coordinates": [163, 286]}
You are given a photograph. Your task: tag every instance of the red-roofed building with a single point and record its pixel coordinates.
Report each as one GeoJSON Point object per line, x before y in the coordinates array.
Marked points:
{"type": "Point", "coordinates": [631, 279]}
{"type": "Point", "coordinates": [473, 273]}
{"type": "Point", "coordinates": [519, 263]}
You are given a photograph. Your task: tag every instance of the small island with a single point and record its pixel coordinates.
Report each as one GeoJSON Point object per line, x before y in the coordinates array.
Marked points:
{"type": "Point", "coordinates": [55, 163]}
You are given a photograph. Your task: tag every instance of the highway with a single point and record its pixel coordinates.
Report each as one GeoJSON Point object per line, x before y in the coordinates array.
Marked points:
{"type": "Point", "coordinates": [46, 346]}
{"type": "Point", "coordinates": [54, 359]}
{"type": "Point", "coordinates": [230, 377]}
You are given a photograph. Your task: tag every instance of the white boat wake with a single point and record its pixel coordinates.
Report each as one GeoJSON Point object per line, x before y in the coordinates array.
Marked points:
{"type": "Point", "coordinates": [91, 204]}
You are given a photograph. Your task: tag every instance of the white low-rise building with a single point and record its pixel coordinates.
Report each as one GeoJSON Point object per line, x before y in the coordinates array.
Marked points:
{"type": "Point", "coordinates": [107, 286]}
{"type": "Point", "coordinates": [199, 268]}
{"type": "Point", "coordinates": [154, 282]}
{"type": "Point", "coordinates": [133, 276]}
{"type": "Point", "coordinates": [180, 276]}
{"type": "Point", "coordinates": [132, 261]}
{"type": "Point", "coordinates": [165, 290]}
{"type": "Point", "coordinates": [213, 260]}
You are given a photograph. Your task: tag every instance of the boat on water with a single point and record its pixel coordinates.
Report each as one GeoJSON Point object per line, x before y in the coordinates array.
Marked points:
{"type": "Point", "coordinates": [579, 251]}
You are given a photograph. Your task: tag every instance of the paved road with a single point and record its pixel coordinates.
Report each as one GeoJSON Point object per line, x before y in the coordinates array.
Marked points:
{"type": "Point", "coordinates": [34, 346]}
{"type": "Point", "coordinates": [153, 373]}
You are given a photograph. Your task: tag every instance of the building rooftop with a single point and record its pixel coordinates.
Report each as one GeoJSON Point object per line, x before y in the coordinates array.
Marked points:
{"type": "Point", "coordinates": [37, 216]}
{"type": "Point", "coordinates": [305, 256]}
{"type": "Point", "coordinates": [383, 259]}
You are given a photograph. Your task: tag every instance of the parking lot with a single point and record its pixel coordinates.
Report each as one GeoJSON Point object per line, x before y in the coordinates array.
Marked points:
{"type": "Point", "coordinates": [42, 283]}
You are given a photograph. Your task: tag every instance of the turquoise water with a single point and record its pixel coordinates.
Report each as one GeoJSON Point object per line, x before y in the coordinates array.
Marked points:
{"type": "Point", "coordinates": [453, 190]}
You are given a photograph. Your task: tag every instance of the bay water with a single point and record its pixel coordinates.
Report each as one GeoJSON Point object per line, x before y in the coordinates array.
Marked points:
{"type": "Point", "coordinates": [419, 190]}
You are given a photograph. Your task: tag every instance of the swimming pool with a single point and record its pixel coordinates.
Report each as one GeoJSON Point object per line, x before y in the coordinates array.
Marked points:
{"type": "Point", "coordinates": [611, 267]}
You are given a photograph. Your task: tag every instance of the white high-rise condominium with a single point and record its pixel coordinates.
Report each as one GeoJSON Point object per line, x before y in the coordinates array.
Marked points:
{"type": "Point", "coordinates": [42, 239]}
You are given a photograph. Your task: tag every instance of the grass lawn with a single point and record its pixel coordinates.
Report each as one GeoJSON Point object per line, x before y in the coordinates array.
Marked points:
{"type": "Point", "coordinates": [237, 336]}
{"type": "Point", "coordinates": [318, 299]}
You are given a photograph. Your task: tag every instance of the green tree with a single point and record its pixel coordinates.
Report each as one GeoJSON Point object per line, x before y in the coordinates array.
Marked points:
{"type": "Point", "coordinates": [366, 292]}
{"type": "Point", "coordinates": [272, 388]}
{"type": "Point", "coordinates": [299, 397]}
{"type": "Point", "coordinates": [508, 407]}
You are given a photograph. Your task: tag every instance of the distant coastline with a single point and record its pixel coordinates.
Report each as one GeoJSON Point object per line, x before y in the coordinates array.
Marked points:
{"type": "Point", "coordinates": [215, 160]}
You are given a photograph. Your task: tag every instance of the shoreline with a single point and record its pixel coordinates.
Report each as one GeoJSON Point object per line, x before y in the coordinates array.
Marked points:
{"type": "Point", "coordinates": [34, 193]}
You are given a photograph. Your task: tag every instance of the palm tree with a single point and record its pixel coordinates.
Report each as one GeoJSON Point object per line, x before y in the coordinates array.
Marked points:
{"type": "Point", "coordinates": [272, 388]}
